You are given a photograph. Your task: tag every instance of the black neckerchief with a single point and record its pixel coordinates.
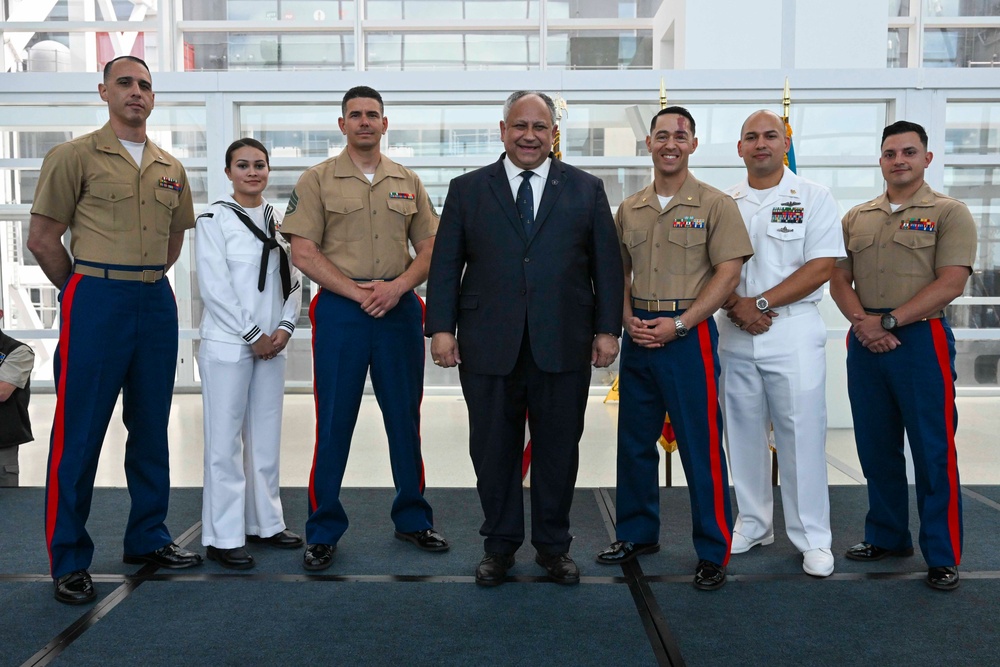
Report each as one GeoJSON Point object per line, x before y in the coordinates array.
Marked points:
{"type": "Point", "coordinates": [270, 242]}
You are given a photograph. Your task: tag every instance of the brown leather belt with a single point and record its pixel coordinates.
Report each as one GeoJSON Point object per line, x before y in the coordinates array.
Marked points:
{"type": "Point", "coordinates": [661, 305]}
{"type": "Point", "coordinates": [135, 275]}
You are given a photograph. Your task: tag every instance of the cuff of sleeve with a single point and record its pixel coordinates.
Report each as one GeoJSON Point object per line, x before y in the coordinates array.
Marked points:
{"type": "Point", "coordinates": [287, 326]}
{"type": "Point", "coordinates": [252, 335]}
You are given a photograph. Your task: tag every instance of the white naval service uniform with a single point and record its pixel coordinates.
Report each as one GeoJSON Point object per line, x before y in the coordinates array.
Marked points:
{"type": "Point", "coordinates": [779, 377]}
{"type": "Point", "coordinates": [241, 394]}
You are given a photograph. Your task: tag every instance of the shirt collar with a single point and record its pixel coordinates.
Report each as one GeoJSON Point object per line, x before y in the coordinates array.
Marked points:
{"type": "Point", "coordinates": [513, 171]}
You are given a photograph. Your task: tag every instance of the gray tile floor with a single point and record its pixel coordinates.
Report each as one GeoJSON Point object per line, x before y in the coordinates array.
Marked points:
{"type": "Point", "coordinates": [445, 435]}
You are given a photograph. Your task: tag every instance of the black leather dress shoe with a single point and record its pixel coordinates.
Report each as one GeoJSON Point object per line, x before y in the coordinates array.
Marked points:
{"type": "Point", "coordinates": [560, 568]}
{"type": "Point", "coordinates": [286, 539]}
{"type": "Point", "coordinates": [75, 588]}
{"type": "Point", "coordinates": [170, 556]}
{"type": "Point", "coordinates": [428, 540]}
{"type": "Point", "coordinates": [493, 568]}
{"type": "Point", "coordinates": [318, 556]}
{"type": "Point", "coordinates": [622, 552]}
{"type": "Point", "coordinates": [943, 578]}
{"type": "Point", "coordinates": [234, 559]}
{"type": "Point", "coordinates": [866, 551]}
{"type": "Point", "coordinates": [708, 576]}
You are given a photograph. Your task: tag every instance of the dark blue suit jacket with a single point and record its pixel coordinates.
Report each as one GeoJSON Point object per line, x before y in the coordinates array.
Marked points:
{"type": "Point", "coordinates": [489, 280]}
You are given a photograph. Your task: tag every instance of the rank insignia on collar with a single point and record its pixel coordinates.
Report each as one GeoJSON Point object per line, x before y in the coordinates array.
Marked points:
{"type": "Point", "coordinates": [402, 195]}
{"type": "Point", "coordinates": [789, 214]}
{"type": "Point", "coordinates": [688, 222]}
{"type": "Point", "coordinates": [170, 184]}
{"type": "Point", "coordinates": [919, 225]}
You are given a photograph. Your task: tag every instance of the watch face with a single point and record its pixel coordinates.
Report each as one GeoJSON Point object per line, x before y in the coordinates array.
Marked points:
{"type": "Point", "coordinates": [762, 304]}
{"type": "Point", "coordinates": [888, 322]}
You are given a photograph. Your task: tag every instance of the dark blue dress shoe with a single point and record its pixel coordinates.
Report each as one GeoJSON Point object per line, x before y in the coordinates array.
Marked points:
{"type": "Point", "coordinates": [286, 539]}
{"type": "Point", "coordinates": [170, 556]}
{"type": "Point", "coordinates": [709, 576]}
{"type": "Point", "coordinates": [870, 552]}
{"type": "Point", "coordinates": [234, 559]}
{"type": "Point", "coordinates": [318, 556]}
{"type": "Point", "coordinates": [428, 540]}
{"type": "Point", "coordinates": [493, 568]}
{"type": "Point", "coordinates": [560, 568]}
{"type": "Point", "coordinates": [943, 578]}
{"type": "Point", "coordinates": [622, 552]}
{"type": "Point", "coordinates": [75, 588]}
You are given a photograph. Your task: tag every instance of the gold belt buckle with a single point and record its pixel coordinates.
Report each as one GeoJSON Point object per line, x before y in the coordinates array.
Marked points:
{"type": "Point", "coordinates": [149, 276]}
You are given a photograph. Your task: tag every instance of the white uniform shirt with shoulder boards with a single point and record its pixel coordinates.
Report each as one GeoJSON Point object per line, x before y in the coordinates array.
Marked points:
{"type": "Point", "coordinates": [228, 258]}
{"type": "Point", "coordinates": [791, 224]}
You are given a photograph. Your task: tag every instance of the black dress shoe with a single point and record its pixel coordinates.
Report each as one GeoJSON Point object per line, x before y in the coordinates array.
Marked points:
{"type": "Point", "coordinates": [943, 578]}
{"type": "Point", "coordinates": [708, 576]}
{"type": "Point", "coordinates": [428, 540]}
{"type": "Point", "coordinates": [493, 568]}
{"type": "Point", "coordinates": [77, 588]}
{"type": "Point", "coordinates": [234, 559]}
{"type": "Point", "coordinates": [318, 556]}
{"type": "Point", "coordinates": [286, 539]}
{"type": "Point", "coordinates": [170, 556]}
{"type": "Point", "coordinates": [866, 551]}
{"type": "Point", "coordinates": [560, 568]}
{"type": "Point", "coordinates": [622, 552]}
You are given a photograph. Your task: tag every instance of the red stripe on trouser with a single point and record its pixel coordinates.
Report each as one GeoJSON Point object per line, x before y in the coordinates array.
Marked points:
{"type": "Point", "coordinates": [312, 470]}
{"type": "Point", "coordinates": [714, 441]}
{"type": "Point", "coordinates": [58, 423]}
{"type": "Point", "coordinates": [423, 318]}
{"type": "Point", "coordinates": [944, 362]}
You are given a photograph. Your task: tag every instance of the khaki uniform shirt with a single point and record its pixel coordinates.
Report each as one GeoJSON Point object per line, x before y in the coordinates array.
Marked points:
{"type": "Point", "coordinates": [672, 251]}
{"type": "Point", "coordinates": [361, 227]}
{"type": "Point", "coordinates": [119, 213]}
{"type": "Point", "coordinates": [892, 256]}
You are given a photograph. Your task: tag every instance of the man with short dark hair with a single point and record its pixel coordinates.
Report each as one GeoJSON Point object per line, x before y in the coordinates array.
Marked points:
{"type": "Point", "coordinates": [910, 252]}
{"type": "Point", "coordinates": [128, 204]}
{"type": "Point", "coordinates": [526, 271]}
{"type": "Point", "coordinates": [682, 244]}
{"type": "Point", "coordinates": [350, 221]}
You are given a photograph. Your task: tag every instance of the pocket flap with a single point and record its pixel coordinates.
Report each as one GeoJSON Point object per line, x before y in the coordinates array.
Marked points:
{"type": "Point", "coordinates": [859, 243]}
{"type": "Point", "coordinates": [111, 191]}
{"type": "Point", "coordinates": [344, 205]}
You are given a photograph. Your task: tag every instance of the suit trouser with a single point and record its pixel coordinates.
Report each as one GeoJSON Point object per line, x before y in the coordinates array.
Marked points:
{"type": "Point", "coordinates": [347, 343]}
{"type": "Point", "coordinates": [9, 470]}
{"type": "Point", "coordinates": [555, 404]}
{"type": "Point", "coordinates": [911, 389]}
{"type": "Point", "coordinates": [680, 378]}
{"type": "Point", "coordinates": [778, 378]}
{"type": "Point", "coordinates": [114, 336]}
{"type": "Point", "coordinates": [242, 397]}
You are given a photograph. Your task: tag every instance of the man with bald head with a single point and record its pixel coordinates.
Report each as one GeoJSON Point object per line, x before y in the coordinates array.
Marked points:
{"type": "Point", "coordinates": [773, 349]}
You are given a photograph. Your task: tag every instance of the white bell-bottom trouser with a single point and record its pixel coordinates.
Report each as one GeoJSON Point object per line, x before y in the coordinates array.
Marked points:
{"type": "Point", "coordinates": [778, 378]}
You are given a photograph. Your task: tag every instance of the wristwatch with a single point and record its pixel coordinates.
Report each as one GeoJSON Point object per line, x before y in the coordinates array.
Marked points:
{"type": "Point", "coordinates": [762, 304]}
{"type": "Point", "coordinates": [889, 321]}
{"type": "Point", "coordinates": [679, 328]}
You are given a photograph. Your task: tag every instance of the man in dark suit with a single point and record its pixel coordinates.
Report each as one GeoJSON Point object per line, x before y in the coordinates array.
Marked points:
{"type": "Point", "coordinates": [526, 265]}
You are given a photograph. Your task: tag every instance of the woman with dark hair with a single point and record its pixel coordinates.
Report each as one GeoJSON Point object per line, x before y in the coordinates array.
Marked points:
{"type": "Point", "coordinates": [252, 297]}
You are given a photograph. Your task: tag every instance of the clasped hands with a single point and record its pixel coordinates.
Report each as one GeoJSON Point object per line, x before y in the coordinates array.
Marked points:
{"type": "Point", "coordinates": [743, 313]}
{"type": "Point", "coordinates": [268, 347]}
{"type": "Point", "coordinates": [869, 332]}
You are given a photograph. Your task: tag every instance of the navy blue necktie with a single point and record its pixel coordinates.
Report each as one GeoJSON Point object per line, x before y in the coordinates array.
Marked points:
{"type": "Point", "coordinates": [526, 201]}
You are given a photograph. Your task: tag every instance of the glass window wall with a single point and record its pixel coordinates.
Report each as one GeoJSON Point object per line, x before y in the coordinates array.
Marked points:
{"type": "Point", "coordinates": [972, 129]}
{"type": "Point", "coordinates": [600, 49]}
{"type": "Point", "coordinates": [450, 10]}
{"type": "Point", "coordinates": [451, 51]}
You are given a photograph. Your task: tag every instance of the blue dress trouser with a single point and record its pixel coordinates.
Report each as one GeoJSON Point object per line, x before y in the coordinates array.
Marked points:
{"type": "Point", "coordinates": [114, 336]}
{"type": "Point", "coordinates": [347, 344]}
{"type": "Point", "coordinates": [911, 389]}
{"type": "Point", "coordinates": [680, 378]}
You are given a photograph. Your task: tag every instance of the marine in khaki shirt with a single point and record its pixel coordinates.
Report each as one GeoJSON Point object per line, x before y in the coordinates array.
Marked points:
{"type": "Point", "coordinates": [910, 254]}
{"type": "Point", "coordinates": [683, 244]}
{"type": "Point", "coordinates": [350, 220]}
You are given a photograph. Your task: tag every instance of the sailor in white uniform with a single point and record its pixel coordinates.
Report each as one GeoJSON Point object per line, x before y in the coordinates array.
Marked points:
{"type": "Point", "coordinates": [774, 358]}
{"type": "Point", "coordinates": [252, 297]}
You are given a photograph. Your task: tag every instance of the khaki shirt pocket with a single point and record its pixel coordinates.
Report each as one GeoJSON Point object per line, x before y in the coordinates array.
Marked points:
{"type": "Point", "coordinates": [346, 219]}
{"type": "Point", "coordinates": [862, 251]}
{"type": "Point", "coordinates": [913, 253]}
{"type": "Point", "coordinates": [686, 253]}
{"type": "Point", "coordinates": [403, 211]}
{"type": "Point", "coordinates": [168, 200]}
{"type": "Point", "coordinates": [116, 205]}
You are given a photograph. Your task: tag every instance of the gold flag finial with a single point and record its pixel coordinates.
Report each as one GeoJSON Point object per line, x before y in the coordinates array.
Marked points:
{"type": "Point", "coordinates": [663, 95]}
{"type": "Point", "coordinates": [787, 99]}
{"type": "Point", "coordinates": [561, 108]}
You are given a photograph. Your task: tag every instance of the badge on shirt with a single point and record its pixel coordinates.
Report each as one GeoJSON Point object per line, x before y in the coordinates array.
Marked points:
{"type": "Point", "coordinates": [789, 214]}
{"type": "Point", "coordinates": [293, 203]}
{"type": "Point", "coordinates": [170, 184]}
{"type": "Point", "coordinates": [689, 222]}
{"type": "Point", "coordinates": [919, 225]}
{"type": "Point", "coordinates": [402, 195]}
